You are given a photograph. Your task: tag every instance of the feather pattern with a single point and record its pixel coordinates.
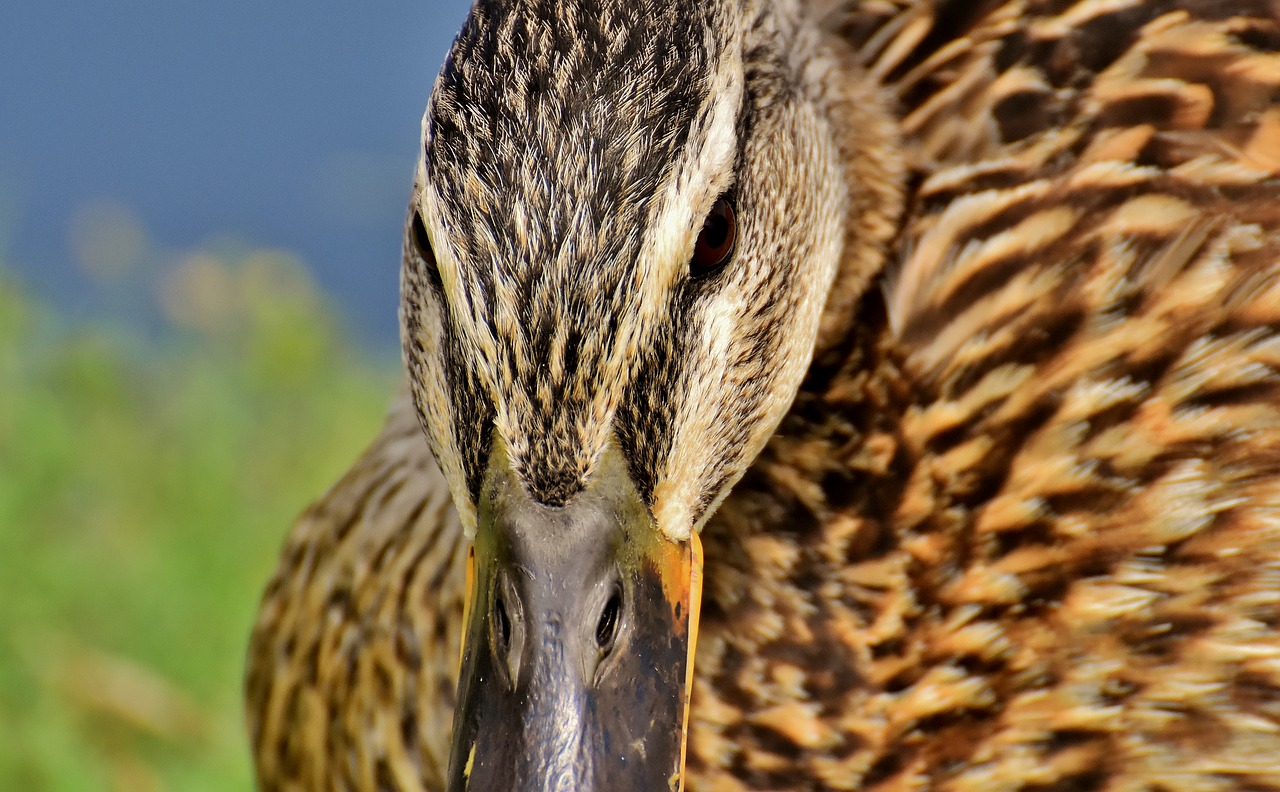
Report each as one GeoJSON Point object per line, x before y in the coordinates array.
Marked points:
{"type": "Point", "coordinates": [1020, 529]}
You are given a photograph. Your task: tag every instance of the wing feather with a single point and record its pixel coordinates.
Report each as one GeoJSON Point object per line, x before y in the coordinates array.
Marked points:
{"type": "Point", "coordinates": [352, 664]}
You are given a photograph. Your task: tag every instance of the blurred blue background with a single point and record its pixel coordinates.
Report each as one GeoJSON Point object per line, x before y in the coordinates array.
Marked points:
{"type": "Point", "coordinates": [170, 126]}
{"type": "Point", "coordinates": [201, 207]}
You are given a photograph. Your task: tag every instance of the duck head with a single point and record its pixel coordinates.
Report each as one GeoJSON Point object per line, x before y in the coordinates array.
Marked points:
{"type": "Point", "coordinates": [631, 220]}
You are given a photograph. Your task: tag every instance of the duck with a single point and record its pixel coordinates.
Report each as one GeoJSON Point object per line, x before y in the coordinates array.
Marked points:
{"type": "Point", "coordinates": [834, 395]}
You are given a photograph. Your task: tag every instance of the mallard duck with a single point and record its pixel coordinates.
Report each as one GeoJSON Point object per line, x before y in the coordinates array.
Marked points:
{"type": "Point", "coordinates": [879, 396]}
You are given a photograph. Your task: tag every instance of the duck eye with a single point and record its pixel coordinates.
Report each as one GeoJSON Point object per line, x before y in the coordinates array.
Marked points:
{"type": "Point", "coordinates": [421, 243]}
{"type": "Point", "coordinates": [422, 249]}
{"type": "Point", "coordinates": [715, 242]}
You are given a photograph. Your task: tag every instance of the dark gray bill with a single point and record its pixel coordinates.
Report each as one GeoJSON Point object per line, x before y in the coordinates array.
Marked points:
{"type": "Point", "coordinates": [578, 651]}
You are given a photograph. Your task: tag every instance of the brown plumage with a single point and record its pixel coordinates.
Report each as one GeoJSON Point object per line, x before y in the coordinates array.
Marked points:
{"type": "Point", "coordinates": [1020, 527]}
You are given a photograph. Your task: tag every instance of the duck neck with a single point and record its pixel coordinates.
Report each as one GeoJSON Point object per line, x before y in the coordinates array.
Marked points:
{"type": "Point", "coordinates": [867, 137]}
{"type": "Point", "coordinates": [820, 494]}
{"type": "Point", "coordinates": [777, 601]}
{"type": "Point", "coordinates": [853, 344]}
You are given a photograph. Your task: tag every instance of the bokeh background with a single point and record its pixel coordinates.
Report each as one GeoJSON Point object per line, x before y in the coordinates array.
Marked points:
{"type": "Point", "coordinates": [200, 219]}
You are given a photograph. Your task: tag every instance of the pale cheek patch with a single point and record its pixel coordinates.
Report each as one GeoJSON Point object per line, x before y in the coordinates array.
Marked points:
{"type": "Point", "coordinates": [678, 489]}
{"type": "Point", "coordinates": [426, 359]}
{"type": "Point", "coordinates": [422, 328]}
{"type": "Point", "coordinates": [735, 391]}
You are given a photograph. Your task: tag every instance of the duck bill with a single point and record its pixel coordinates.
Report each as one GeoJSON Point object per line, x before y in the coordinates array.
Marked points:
{"type": "Point", "coordinates": [577, 658]}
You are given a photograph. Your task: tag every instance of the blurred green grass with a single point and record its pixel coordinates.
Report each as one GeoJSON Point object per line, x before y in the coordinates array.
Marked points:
{"type": "Point", "coordinates": [146, 482]}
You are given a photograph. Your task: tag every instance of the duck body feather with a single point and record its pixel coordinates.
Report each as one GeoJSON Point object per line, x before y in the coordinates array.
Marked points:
{"type": "Point", "coordinates": [1020, 529]}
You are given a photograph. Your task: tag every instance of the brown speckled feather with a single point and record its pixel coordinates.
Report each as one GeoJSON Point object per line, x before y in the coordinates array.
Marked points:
{"type": "Point", "coordinates": [1025, 535]}
{"type": "Point", "coordinates": [353, 662]}
{"type": "Point", "coordinates": [1020, 530]}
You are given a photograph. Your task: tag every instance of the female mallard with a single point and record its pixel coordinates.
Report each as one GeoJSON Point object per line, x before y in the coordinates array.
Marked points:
{"type": "Point", "coordinates": [947, 332]}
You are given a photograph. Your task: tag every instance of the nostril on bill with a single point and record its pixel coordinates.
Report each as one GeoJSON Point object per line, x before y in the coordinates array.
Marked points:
{"type": "Point", "coordinates": [502, 624]}
{"type": "Point", "coordinates": [607, 627]}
